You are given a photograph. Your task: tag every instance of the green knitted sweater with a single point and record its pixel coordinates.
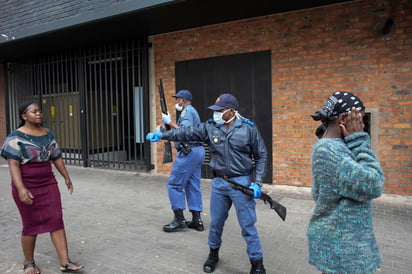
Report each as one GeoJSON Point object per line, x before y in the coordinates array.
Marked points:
{"type": "Point", "coordinates": [346, 177]}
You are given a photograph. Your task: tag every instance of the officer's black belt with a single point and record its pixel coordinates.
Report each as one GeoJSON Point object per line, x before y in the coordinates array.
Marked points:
{"type": "Point", "coordinates": [226, 177]}
{"type": "Point", "coordinates": [195, 144]}
{"type": "Point", "coordinates": [190, 145]}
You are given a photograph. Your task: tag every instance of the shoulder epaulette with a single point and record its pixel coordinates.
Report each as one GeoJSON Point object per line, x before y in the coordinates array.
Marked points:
{"type": "Point", "coordinates": [247, 121]}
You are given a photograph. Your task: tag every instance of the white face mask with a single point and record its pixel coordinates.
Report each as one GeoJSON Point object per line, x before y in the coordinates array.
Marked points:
{"type": "Point", "coordinates": [178, 107]}
{"type": "Point", "coordinates": [218, 117]}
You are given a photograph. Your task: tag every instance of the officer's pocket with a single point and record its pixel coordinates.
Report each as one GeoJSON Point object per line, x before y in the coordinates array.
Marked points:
{"type": "Point", "coordinates": [240, 143]}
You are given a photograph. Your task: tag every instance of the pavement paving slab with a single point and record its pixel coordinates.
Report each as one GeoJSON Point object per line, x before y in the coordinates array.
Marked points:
{"type": "Point", "coordinates": [114, 223]}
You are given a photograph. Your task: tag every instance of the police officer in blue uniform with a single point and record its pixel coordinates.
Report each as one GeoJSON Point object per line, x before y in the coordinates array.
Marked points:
{"type": "Point", "coordinates": [233, 141]}
{"type": "Point", "coordinates": [184, 181]}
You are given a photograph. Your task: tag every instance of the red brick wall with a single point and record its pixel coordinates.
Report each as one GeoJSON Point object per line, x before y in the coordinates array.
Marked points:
{"type": "Point", "coordinates": [316, 52]}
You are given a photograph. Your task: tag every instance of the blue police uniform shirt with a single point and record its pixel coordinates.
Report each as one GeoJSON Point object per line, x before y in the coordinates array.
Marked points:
{"type": "Point", "coordinates": [230, 150]}
{"type": "Point", "coordinates": [189, 117]}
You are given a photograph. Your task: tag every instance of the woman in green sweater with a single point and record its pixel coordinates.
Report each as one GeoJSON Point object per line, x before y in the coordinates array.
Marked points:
{"type": "Point", "coordinates": [346, 177]}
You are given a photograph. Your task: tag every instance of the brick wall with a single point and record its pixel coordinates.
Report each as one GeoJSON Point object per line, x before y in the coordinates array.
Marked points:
{"type": "Point", "coordinates": [37, 12]}
{"type": "Point", "coordinates": [316, 52]}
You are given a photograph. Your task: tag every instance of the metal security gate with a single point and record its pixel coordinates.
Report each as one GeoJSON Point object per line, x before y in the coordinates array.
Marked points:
{"type": "Point", "coordinates": [94, 101]}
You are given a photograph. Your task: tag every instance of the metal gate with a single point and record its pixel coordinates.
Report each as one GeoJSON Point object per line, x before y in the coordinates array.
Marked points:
{"type": "Point", "coordinates": [94, 101]}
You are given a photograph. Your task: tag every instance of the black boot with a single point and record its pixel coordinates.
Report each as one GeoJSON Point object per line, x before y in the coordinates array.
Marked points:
{"type": "Point", "coordinates": [178, 222]}
{"type": "Point", "coordinates": [196, 222]}
{"type": "Point", "coordinates": [211, 261]}
{"type": "Point", "coordinates": [257, 267]}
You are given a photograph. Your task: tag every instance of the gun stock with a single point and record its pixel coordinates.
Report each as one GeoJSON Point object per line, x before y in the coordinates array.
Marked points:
{"type": "Point", "coordinates": [280, 209]}
{"type": "Point", "coordinates": [167, 155]}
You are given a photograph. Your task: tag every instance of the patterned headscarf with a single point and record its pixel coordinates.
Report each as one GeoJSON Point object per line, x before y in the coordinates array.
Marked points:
{"type": "Point", "coordinates": [338, 103]}
{"type": "Point", "coordinates": [22, 109]}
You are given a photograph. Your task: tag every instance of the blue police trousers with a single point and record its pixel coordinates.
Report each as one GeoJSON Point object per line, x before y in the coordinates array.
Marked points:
{"type": "Point", "coordinates": [222, 197]}
{"type": "Point", "coordinates": [184, 180]}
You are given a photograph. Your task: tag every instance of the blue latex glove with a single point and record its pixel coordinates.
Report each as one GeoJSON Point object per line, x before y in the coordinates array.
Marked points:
{"type": "Point", "coordinates": [160, 129]}
{"type": "Point", "coordinates": [256, 190]}
{"type": "Point", "coordinates": [166, 118]}
{"type": "Point", "coordinates": [153, 136]}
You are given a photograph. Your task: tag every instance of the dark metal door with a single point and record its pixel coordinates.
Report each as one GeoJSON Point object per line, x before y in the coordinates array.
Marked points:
{"type": "Point", "coordinates": [247, 76]}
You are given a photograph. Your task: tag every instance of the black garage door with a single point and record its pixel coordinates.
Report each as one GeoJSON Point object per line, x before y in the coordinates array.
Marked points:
{"type": "Point", "coordinates": [247, 76]}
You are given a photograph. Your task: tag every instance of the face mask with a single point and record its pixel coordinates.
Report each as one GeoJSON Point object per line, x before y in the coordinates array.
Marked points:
{"type": "Point", "coordinates": [233, 117]}
{"type": "Point", "coordinates": [178, 107]}
{"type": "Point", "coordinates": [218, 117]}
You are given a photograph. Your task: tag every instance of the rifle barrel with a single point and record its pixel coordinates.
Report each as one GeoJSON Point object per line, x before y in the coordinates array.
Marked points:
{"type": "Point", "coordinates": [167, 155]}
{"type": "Point", "coordinates": [163, 105]}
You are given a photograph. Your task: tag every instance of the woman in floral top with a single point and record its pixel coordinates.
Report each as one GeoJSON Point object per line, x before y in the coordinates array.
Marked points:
{"type": "Point", "coordinates": [30, 150]}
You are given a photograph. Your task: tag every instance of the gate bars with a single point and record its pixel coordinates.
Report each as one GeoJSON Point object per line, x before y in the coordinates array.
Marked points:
{"type": "Point", "coordinates": [94, 101]}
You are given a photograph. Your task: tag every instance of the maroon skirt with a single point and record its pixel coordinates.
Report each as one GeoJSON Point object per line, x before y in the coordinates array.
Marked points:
{"type": "Point", "coordinates": [45, 213]}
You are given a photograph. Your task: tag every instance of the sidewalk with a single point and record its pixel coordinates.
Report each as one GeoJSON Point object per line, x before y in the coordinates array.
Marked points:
{"type": "Point", "coordinates": [114, 224]}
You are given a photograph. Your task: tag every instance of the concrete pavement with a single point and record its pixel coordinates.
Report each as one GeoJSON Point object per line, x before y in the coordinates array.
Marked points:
{"type": "Point", "coordinates": [114, 224]}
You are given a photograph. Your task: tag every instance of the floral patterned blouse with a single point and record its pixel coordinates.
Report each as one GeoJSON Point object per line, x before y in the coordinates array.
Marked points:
{"type": "Point", "coordinates": [27, 148]}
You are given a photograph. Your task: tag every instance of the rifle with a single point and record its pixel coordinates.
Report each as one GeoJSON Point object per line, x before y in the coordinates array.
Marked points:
{"type": "Point", "coordinates": [280, 209]}
{"type": "Point", "coordinates": [167, 155]}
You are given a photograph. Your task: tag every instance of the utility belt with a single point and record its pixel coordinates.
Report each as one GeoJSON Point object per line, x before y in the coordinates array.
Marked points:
{"type": "Point", "coordinates": [186, 148]}
{"type": "Point", "coordinates": [227, 177]}
{"type": "Point", "coordinates": [224, 177]}
{"type": "Point", "coordinates": [195, 144]}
